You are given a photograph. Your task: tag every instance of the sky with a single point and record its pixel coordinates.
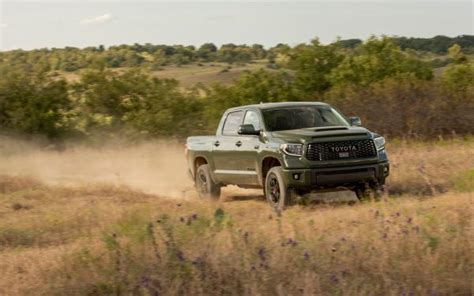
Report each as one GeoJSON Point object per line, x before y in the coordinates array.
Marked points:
{"type": "Point", "coordinates": [38, 24]}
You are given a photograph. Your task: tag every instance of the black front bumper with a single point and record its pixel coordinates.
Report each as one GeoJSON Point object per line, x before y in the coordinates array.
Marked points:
{"type": "Point", "coordinates": [337, 176]}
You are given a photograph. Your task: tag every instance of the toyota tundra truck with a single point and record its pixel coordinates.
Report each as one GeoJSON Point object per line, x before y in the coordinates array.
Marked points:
{"type": "Point", "coordinates": [289, 150]}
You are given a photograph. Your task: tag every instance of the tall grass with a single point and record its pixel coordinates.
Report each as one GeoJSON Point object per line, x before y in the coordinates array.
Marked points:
{"type": "Point", "coordinates": [430, 168]}
{"type": "Point", "coordinates": [102, 241]}
{"type": "Point", "coordinates": [393, 248]}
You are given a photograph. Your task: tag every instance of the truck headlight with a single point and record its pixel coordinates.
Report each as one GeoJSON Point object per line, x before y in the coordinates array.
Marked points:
{"type": "Point", "coordinates": [379, 143]}
{"type": "Point", "coordinates": [292, 149]}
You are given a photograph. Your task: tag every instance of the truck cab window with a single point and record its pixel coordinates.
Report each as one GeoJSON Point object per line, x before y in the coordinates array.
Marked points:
{"type": "Point", "coordinates": [232, 123]}
{"type": "Point", "coordinates": [251, 117]}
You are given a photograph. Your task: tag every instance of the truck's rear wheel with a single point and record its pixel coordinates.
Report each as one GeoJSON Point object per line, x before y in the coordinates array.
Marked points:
{"type": "Point", "coordinates": [204, 184]}
{"type": "Point", "coordinates": [276, 191]}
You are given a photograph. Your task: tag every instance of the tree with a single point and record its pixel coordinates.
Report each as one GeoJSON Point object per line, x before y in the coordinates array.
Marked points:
{"type": "Point", "coordinates": [460, 75]}
{"type": "Point", "coordinates": [312, 64]}
{"type": "Point", "coordinates": [250, 88]}
{"type": "Point", "coordinates": [137, 103]}
{"type": "Point", "coordinates": [34, 104]}
{"type": "Point", "coordinates": [375, 60]}
{"type": "Point", "coordinates": [349, 43]}
{"type": "Point", "coordinates": [207, 51]}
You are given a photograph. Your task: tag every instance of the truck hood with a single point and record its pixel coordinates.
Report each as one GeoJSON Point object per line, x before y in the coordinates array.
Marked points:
{"type": "Point", "coordinates": [307, 135]}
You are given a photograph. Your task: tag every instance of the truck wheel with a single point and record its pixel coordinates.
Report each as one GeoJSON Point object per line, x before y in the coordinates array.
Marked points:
{"type": "Point", "coordinates": [205, 186]}
{"type": "Point", "coordinates": [367, 193]}
{"type": "Point", "coordinates": [276, 191]}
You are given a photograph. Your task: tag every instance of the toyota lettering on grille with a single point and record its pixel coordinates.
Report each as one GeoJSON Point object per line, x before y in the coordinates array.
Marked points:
{"type": "Point", "coordinates": [344, 148]}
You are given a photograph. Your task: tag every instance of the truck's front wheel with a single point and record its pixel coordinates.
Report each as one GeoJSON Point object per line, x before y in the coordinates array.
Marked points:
{"type": "Point", "coordinates": [205, 186]}
{"type": "Point", "coordinates": [276, 191]}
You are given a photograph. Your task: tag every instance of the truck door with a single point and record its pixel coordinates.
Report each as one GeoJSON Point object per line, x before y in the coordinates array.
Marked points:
{"type": "Point", "coordinates": [248, 150]}
{"type": "Point", "coordinates": [224, 151]}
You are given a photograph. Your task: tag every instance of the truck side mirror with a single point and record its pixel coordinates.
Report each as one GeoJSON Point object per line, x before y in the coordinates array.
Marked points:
{"type": "Point", "coordinates": [248, 129]}
{"type": "Point", "coordinates": [355, 121]}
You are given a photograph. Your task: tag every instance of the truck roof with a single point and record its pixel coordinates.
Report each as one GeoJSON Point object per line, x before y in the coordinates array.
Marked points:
{"type": "Point", "coordinates": [276, 105]}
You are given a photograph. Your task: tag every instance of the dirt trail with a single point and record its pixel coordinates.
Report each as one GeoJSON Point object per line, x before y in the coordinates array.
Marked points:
{"type": "Point", "coordinates": [154, 167]}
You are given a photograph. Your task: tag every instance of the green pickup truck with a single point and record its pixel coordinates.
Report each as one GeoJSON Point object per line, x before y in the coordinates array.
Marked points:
{"type": "Point", "coordinates": [289, 149]}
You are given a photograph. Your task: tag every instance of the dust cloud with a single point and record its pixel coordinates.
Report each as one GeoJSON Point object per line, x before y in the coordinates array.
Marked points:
{"type": "Point", "coordinates": [157, 167]}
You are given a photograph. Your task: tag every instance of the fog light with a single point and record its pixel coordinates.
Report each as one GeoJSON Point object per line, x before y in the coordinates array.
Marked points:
{"type": "Point", "coordinates": [296, 176]}
{"type": "Point", "coordinates": [385, 170]}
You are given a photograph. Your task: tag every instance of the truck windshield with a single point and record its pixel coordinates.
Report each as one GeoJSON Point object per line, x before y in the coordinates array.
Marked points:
{"type": "Point", "coordinates": [298, 117]}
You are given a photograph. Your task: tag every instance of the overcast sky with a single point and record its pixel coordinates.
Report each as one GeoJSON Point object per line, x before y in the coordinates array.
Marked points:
{"type": "Point", "coordinates": [37, 24]}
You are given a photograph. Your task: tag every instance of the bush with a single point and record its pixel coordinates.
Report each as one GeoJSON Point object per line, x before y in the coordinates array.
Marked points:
{"type": "Point", "coordinates": [405, 106]}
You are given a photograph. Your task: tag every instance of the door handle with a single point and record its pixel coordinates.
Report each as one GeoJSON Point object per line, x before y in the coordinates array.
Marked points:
{"type": "Point", "coordinates": [217, 143]}
{"type": "Point", "coordinates": [238, 143]}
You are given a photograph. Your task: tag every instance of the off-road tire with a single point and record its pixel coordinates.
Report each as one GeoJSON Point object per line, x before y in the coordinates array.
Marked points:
{"type": "Point", "coordinates": [205, 186]}
{"type": "Point", "coordinates": [276, 191]}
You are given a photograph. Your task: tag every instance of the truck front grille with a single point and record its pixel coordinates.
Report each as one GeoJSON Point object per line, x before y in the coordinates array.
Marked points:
{"type": "Point", "coordinates": [340, 150]}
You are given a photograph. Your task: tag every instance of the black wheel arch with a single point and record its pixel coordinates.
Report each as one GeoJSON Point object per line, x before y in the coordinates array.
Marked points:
{"type": "Point", "coordinates": [265, 166]}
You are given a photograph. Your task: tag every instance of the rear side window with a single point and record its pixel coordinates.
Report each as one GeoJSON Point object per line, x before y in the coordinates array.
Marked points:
{"type": "Point", "coordinates": [232, 123]}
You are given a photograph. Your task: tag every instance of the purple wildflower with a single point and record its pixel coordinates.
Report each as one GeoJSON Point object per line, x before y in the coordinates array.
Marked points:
{"type": "Point", "coordinates": [145, 281]}
{"type": "Point", "coordinates": [306, 255]}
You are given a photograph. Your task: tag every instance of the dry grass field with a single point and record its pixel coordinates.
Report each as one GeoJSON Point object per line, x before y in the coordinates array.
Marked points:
{"type": "Point", "coordinates": [208, 73]}
{"type": "Point", "coordinates": [125, 220]}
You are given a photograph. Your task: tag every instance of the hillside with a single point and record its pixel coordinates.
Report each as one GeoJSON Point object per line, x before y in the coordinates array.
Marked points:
{"type": "Point", "coordinates": [192, 74]}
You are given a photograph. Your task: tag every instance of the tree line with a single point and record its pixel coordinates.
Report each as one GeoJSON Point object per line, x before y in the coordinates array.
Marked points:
{"type": "Point", "coordinates": [154, 57]}
{"type": "Point", "coordinates": [394, 91]}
